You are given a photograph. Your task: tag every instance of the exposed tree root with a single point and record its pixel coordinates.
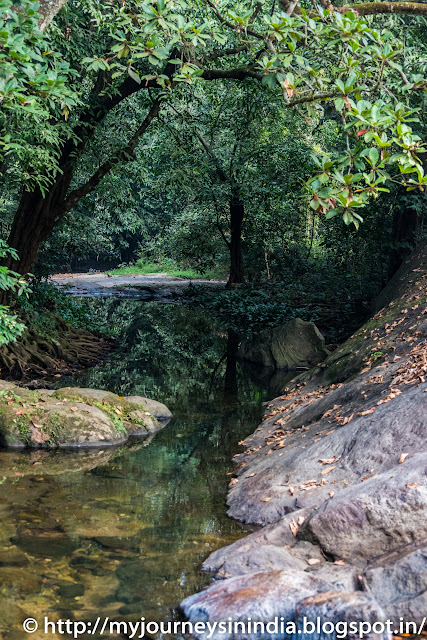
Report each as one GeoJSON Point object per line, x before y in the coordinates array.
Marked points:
{"type": "Point", "coordinates": [65, 351]}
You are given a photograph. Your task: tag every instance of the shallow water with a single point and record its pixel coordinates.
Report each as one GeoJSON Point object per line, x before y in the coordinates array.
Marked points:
{"type": "Point", "coordinates": [122, 532]}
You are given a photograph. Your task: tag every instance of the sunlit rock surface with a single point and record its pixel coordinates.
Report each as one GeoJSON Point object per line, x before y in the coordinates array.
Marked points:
{"type": "Point", "coordinates": [337, 476]}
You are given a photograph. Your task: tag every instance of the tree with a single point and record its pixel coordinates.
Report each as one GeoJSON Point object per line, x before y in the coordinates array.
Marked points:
{"type": "Point", "coordinates": [148, 48]}
{"type": "Point", "coordinates": [231, 153]}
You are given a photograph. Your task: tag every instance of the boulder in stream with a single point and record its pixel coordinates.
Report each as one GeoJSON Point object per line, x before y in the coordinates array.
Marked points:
{"type": "Point", "coordinates": [69, 417]}
{"type": "Point", "coordinates": [296, 344]}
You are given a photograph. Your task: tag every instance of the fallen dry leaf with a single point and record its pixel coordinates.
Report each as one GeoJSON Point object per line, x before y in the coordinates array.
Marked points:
{"type": "Point", "coordinates": [265, 499]}
{"type": "Point", "coordinates": [328, 470]}
{"type": "Point", "coordinates": [19, 413]}
{"type": "Point", "coordinates": [329, 460]}
{"type": "Point", "coordinates": [340, 563]}
{"type": "Point", "coordinates": [38, 436]}
{"type": "Point", "coordinates": [412, 485]}
{"type": "Point", "coordinates": [367, 412]}
{"type": "Point", "coordinates": [293, 527]}
{"type": "Point", "coordinates": [403, 457]}
{"type": "Point", "coordinates": [312, 561]}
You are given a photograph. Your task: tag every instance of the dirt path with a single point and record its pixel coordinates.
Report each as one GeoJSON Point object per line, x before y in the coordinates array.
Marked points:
{"type": "Point", "coordinates": [151, 285]}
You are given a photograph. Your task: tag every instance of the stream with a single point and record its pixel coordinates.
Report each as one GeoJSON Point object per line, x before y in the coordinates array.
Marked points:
{"type": "Point", "coordinates": [122, 532]}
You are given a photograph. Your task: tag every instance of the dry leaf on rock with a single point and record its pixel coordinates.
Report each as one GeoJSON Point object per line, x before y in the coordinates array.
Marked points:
{"type": "Point", "coordinates": [328, 470]}
{"type": "Point", "coordinates": [329, 460]}
{"type": "Point", "coordinates": [293, 527]}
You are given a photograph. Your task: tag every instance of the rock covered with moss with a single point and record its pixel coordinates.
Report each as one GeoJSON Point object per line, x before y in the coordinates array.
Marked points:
{"type": "Point", "coordinates": [71, 417]}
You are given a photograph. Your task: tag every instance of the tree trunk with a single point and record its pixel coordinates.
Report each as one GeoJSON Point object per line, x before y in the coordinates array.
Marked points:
{"type": "Point", "coordinates": [231, 391]}
{"type": "Point", "coordinates": [48, 9]}
{"type": "Point", "coordinates": [237, 214]}
{"type": "Point", "coordinates": [34, 220]}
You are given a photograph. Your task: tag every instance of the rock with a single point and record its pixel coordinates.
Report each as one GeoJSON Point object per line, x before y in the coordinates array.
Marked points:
{"type": "Point", "coordinates": [47, 544]}
{"type": "Point", "coordinates": [13, 557]}
{"type": "Point", "coordinates": [340, 609]}
{"type": "Point", "coordinates": [367, 445]}
{"type": "Point", "coordinates": [70, 417]}
{"type": "Point", "coordinates": [378, 515]}
{"type": "Point", "coordinates": [398, 581]}
{"type": "Point", "coordinates": [234, 558]}
{"type": "Point", "coordinates": [135, 417]}
{"type": "Point", "coordinates": [157, 409]}
{"type": "Point", "coordinates": [342, 578]}
{"type": "Point", "coordinates": [61, 425]}
{"type": "Point", "coordinates": [11, 615]}
{"type": "Point", "coordinates": [267, 557]}
{"type": "Point", "coordinates": [295, 344]}
{"type": "Point", "coordinates": [71, 589]}
{"type": "Point", "coordinates": [20, 580]}
{"type": "Point", "coordinates": [261, 596]}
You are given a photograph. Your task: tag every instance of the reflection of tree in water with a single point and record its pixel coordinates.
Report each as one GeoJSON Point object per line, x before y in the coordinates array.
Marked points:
{"type": "Point", "coordinates": [148, 516]}
{"type": "Point", "coordinates": [173, 353]}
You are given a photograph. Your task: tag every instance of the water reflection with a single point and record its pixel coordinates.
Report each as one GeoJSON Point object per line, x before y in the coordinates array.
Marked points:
{"type": "Point", "coordinates": [124, 535]}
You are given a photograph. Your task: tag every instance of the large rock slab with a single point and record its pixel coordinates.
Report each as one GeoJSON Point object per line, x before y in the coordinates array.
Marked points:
{"type": "Point", "coordinates": [341, 610]}
{"type": "Point", "coordinates": [337, 476]}
{"type": "Point", "coordinates": [261, 596]}
{"type": "Point", "coordinates": [295, 344]}
{"type": "Point", "coordinates": [398, 581]}
{"type": "Point", "coordinates": [289, 471]}
{"type": "Point", "coordinates": [370, 518]}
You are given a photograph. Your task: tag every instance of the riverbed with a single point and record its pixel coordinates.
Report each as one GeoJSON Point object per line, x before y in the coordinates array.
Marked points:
{"type": "Point", "coordinates": [125, 537]}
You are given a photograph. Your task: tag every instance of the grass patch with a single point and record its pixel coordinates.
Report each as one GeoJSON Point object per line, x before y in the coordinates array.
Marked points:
{"type": "Point", "coordinates": [141, 268]}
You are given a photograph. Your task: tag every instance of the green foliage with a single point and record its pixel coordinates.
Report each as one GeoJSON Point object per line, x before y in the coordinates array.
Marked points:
{"type": "Point", "coordinates": [248, 310]}
{"type": "Point", "coordinates": [13, 283]}
{"type": "Point", "coordinates": [167, 266]}
{"type": "Point", "coordinates": [35, 94]}
{"type": "Point", "coordinates": [45, 298]}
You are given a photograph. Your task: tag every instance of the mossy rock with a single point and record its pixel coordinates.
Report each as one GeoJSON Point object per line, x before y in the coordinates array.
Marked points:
{"type": "Point", "coordinates": [134, 416]}
{"type": "Point", "coordinates": [157, 409]}
{"type": "Point", "coordinates": [293, 345]}
{"type": "Point", "coordinates": [36, 419]}
{"type": "Point", "coordinates": [69, 417]}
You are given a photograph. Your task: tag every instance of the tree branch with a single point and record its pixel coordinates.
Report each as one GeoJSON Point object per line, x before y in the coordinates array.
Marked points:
{"type": "Point", "coordinates": [232, 26]}
{"type": "Point", "coordinates": [377, 8]}
{"type": "Point", "coordinates": [231, 74]}
{"type": "Point", "coordinates": [125, 154]}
